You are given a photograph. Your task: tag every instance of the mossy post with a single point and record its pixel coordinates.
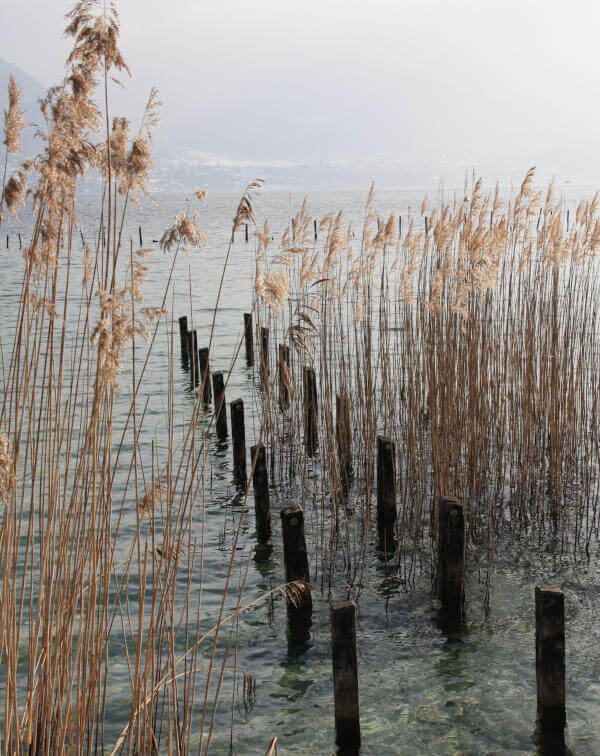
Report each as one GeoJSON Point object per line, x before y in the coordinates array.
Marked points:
{"type": "Point", "coordinates": [345, 677]}
{"type": "Point", "coordinates": [248, 336]}
{"type": "Point", "coordinates": [260, 481]}
{"type": "Point", "coordinates": [451, 559]}
{"type": "Point", "coordinates": [205, 374]}
{"type": "Point", "coordinates": [386, 492]}
{"type": "Point", "coordinates": [343, 432]}
{"type": "Point", "coordinates": [284, 377]}
{"type": "Point", "coordinates": [311, 433]}
{"type": "Point", "coordinates": [550, 657]}
{"type": "Point", "coordinates": [183, 337]}
{"type": "Point", "coordinates": [238, 440]}
{"type": "Point", "coordinates": [220, 407]}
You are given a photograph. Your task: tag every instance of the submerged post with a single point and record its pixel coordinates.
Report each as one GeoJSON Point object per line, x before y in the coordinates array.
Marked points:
{"type": "Point", "coordinates": [343, 431]}
{"type": "Point", "coordinates": [345, 677]}
{"type": "Point", "coordinates": [183, 337]}
{"type": "Point", "coordinates": [386, 491]}
{"type": "Point", "coordinates": [220, 412]}
{"type": "Point", "coordinates": [550, 657]}
{"type": "Point", "coordinates": [296, 556]}
{"type": "Point", "coordinates": [451, 563]}
{"type": "Point", "coordinates": [260, 481]}
{"type": "Point", "coordinates": [264, 353]}
{"type": "Point", "coordinates": [205, 374]}
{"type": "Point", "coordinates": [311, 433]}
{"type": "Point", "coordinates": [238, 440]}
{"type": "Point", "coordinates": [284, 376]}
{"type": "Point", "coordinates": [248, 337]}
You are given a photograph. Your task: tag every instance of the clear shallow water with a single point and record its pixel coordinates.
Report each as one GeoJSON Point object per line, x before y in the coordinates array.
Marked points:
{"type": "Point", "coordinates": [420, 692]}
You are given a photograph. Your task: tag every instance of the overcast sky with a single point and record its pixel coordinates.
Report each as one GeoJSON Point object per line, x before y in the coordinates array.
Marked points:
{"type": "Point", "coordinates": [444, 82]}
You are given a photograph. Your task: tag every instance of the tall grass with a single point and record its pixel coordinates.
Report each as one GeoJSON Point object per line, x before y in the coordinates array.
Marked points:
{"type": "Point", "coordinates": [472, 340]}
{"type": "Point", "coordinates": [98, 555]}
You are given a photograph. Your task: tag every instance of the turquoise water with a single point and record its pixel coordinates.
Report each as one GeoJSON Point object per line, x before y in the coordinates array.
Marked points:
{"type": "Point", "coordinates": [419, 691]}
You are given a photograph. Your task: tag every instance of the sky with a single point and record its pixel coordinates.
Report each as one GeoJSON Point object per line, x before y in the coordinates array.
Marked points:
{"type": "Point", "coordinates": [440, 85]}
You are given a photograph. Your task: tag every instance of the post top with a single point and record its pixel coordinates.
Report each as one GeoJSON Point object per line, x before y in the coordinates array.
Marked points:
{"type": "Point", "coordinates": [549, 589]}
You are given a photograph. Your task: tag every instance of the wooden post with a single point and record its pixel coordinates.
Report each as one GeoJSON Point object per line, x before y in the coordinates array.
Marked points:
{"type": "Point", "coordinates": [311, 433]}
{"type": "Point", "coordinates": [567, 219]}
{"type": "Point", "coordinates": [238, 439]}
{"type": "Point", "coordinates": [193, 357]}
{"type": "Point", "coordinates": [315, 222]}
{"type": "Point", "coordinates": [426, 226]}
{"type": "Point", "coordinates": [386, 491]}
{"type": "Point", "coordinates": [343, 430]}
{"type": "Point", "coordinates": [264, 354]}
{"type": "Point", "coordinates": [21, 246]}
{"type": "Point", "coordinates": [220, 411]}
{"type": "Point", "coordinates": [246, 228]}
{"type": "Point", "coordinates": [345, 677]}
{"type": "Point", "coordinates": [284, 377]}
{"type": "Point", "coordinates": [183, 337]}
{"type": "Point", "coordinates": [249, 337]}
{"type": "Point", "coordinates": [295, 555]}
{"type": "Point", "coordinates": [451, 563]}
{"type": "Point", "coordinates": [293, 230]}
{"type": "Point", "coordinates": [260, 481]}
{"type": "Point", "coordinates": [550, 656]}
{"type": "Point", "coordinates": [205, 374]}
{"type": "Point", "coordinates": [141, 242]}
{"type": "Point", "coordinates": [6, 241]}
{"type": "Point", "coordinates": [399, 225]}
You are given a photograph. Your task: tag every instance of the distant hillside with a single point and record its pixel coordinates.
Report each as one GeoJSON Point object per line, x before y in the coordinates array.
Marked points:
{"type": "Point", "coordinates": [31, 90]}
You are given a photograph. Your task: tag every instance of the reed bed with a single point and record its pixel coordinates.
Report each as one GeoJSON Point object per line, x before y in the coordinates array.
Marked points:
{"type": "Point", "coordinates": [471, 340]}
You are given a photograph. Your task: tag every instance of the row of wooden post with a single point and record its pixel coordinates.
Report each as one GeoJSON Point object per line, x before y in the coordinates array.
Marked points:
{"type": "Point", "coordinates": [549, 600]}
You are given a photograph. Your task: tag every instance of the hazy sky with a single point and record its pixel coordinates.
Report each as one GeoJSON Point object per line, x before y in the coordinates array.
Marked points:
{"type": "Point", "coordinates": [500, 85]}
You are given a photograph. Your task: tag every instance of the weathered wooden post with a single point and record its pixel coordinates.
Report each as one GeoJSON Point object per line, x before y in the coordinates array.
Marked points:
{"type": "Point", "coordinates": [293, 230]}
{"type": "Point", "coordinates": [220, 407]}
{"type": "Point", "coordinates": [345, 677]}
{"type": "Point", "coordinates": [248, 337]}
{"type": "Point", "coordinates": [451, 559]}
{"type": "Point", "coordinates": [296, 556]}
{"type": "Point", "coordinates": [6, 241]}
{"type": "Point", "coordinates": [246, 229]}
{"type": "Point", "coordinates": [183, 337]}
{"type": "Point", "coordinates": [238, 440]}
{"type": "Point", "coordinates": [550, 657]}
{"type": "Point", "coordinates": [260, 482]}
{"type": "Point", "coordinates": [386, 491]}
{"type": "Point", "coordinates": [140, 230]}
{"type": "Point", "coordinates": [426, 226]}
{"type": "Point", "coordinates": [20, 243]}
{"type": "Point", "coordinates": [311, 432]}
{"type": "Point", "coordinates": [284, 376]}
{"type": "Point", "coordinates": [193, 357]}
{"type": "Point", "coordinates": [399, 225]}
{"type": "Point", "coordinates": [567, 219]}
{"type": "Point", "coordinates": [315, 222]}
{"type": "Point", "coordinates": [264, 354]}
{"type": "Point", "coordinates": [205, 374]}
{"type": "Point", "coordinates": [343, 431]}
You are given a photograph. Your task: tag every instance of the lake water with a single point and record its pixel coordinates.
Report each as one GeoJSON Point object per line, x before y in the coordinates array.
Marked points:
{"type": "Point", "coordinates": [419, 691]}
